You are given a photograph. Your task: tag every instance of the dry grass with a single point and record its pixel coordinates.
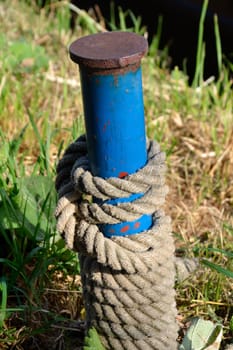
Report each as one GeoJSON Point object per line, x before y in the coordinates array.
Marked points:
{"type": "Point", "coordinates": [196, 132]}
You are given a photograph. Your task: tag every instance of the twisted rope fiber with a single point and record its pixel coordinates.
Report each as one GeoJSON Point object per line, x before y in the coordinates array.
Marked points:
{"type": "Point", "coordinates": [128, 282]}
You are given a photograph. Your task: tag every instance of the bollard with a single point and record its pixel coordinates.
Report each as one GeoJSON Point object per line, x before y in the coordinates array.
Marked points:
{"type": "Point", "coordinates": [111, 81]}
{"type": "Point", "coordinates": [121, 233]}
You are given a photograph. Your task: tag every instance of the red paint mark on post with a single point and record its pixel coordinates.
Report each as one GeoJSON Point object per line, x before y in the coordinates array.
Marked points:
{"type": "Point", "coordinates": [111, 230]}
{"type": "Point", "coordinates": [125, 228]}
{"type": "Point", "coordinates": [137, 224]}
{"type": "Point", "coordinates": [106, 125]}
{"type": "Point", "coordinates": [122, 174]}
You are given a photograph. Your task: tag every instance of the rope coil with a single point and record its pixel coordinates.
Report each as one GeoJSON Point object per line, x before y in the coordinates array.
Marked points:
{"type": "Point", "coordinates": [127, 281]}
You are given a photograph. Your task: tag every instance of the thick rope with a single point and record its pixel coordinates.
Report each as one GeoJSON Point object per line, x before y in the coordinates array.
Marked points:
{"type": "Point", "coordinates": [128, 282]}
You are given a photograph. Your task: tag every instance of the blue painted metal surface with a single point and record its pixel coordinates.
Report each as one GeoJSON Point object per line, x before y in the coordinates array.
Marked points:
{"type": "Point", "coordinates": [127, 227]}
{"type": "Point", "coordinates": [115, 130]}
{"type": "Point", "coordinates": [114, 119]}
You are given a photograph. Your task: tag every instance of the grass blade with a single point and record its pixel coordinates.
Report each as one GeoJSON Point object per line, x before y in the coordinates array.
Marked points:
{"type": "Point", "coordinates": [200, 57]}
{"type": "Point", "coordinates": [3, 289]}
{"type": "Point", "coordinates": [44, 142]}
{"type": "Point", "coordinates": [218, 43]}
{"type": "Point", "coordinates": [229, 254]}
{"type": "Point", "coordinates": [154, 46]}
{"type": "Point", "coordinates": [218, 268]}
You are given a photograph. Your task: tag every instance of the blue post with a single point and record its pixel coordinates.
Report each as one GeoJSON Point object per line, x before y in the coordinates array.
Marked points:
{"type": "Point", "coordinates": [111, 82]}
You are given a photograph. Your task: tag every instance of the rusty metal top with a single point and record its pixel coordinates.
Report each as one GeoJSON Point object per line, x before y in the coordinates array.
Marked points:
{"type": "Point", "coordinates": [109, 50]}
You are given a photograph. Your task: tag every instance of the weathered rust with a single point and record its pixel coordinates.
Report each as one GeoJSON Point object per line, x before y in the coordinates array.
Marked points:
{"type": "Point", "coordinates": [109, 51]}
{"type": "Point", "coordinates": [111, 71]}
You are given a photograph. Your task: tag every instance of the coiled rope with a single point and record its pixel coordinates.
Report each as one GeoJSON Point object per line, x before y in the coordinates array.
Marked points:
{"type": "Point", "coordinates": [128, 282]}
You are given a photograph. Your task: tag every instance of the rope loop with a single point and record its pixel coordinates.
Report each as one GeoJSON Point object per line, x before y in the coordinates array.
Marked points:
{"type": "Point", "coordinates": [78, 216]}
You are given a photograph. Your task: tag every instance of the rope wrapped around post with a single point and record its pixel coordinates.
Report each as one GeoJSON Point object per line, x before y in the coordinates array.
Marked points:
{"type": "Point", "coordinates": [128, 282]}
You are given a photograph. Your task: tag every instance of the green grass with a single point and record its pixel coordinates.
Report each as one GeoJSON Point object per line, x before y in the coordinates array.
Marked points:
{"type": "Point", "coordinates": [41, 113]}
